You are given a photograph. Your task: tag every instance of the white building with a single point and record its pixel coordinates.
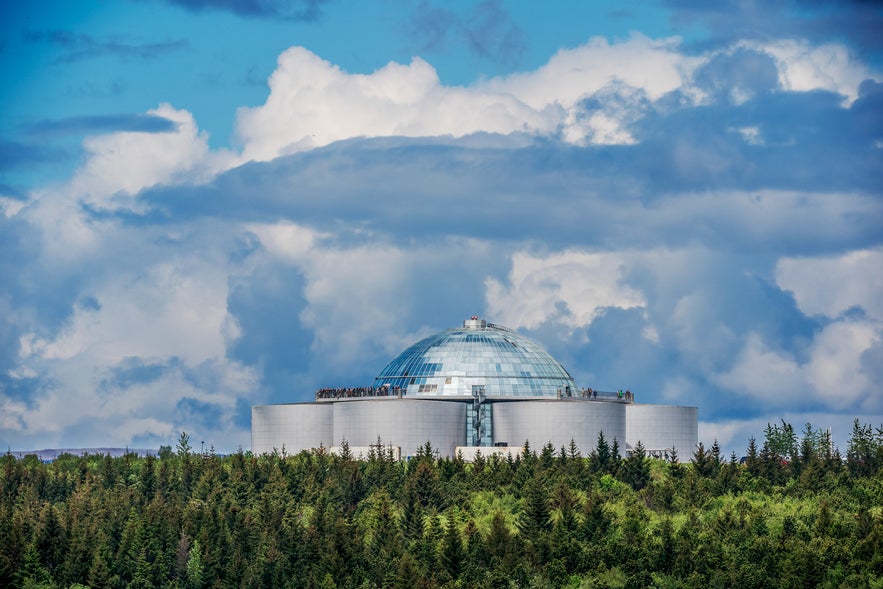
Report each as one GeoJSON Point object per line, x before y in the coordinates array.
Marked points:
{"type": "Point", "coordinates": [479, 385]}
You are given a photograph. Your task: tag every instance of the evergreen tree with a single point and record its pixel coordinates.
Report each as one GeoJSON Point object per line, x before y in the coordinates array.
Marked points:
{"type": "Point", "coordinates": [452, 548]}
{"type": "Point", "coordinates": [716, 460]}
{"type": "Point", "coordinates": [547, 456]}
{"type": "Point", "coordinates": [51, 540]}
{"type": "Point", "coordinates": [674, 465]}
{"type": "Point", "coordinates": [615, 458]}
{"type": "Point", "coordinates": [752, 460]}
{"type": "Point", "coordinates": [408, 573]}
{"type": "Point", "coordinates": [498, 542]}
{"type": "Point", "coordinates": [635, 470]}
{"type": "Point", "coordinates": [194, 570]}
{"type": "Point", "coordinates": [863, 450]}
{"type": "Point", "coordinates": [600, 458]}
{"type": "Point", "coordinates": [703, 463]}
{"type": "Point", "coordinates": [536, 516]}
{"type": "Point", "coordinates": [148, 477]}
{"type": "Point", "coordinates": [412, 516]}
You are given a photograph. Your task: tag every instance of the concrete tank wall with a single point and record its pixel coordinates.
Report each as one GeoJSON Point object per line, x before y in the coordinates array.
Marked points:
{"type": "Point", "coordinates": [296, 427]}
{"type": "Point", "coordinates": [557, 421]}
{"type": "Point", "coordinates": [663, 427]}
{"type": "Point", "coordinates": [408, 423]}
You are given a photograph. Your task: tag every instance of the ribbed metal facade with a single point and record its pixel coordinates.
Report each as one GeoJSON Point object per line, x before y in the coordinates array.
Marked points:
{"type": "Point", "coordinates": [294, 427]}
{"type": "Point", "coordinates": [559, 421]}
{"type": "Point", "coordinates": [660, 428]}
{"type": "Point", "coordinates": [407, 423]}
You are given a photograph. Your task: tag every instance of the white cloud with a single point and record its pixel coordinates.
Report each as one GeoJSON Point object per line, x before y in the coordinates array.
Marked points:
{"type": "Point", "coordinates": [771, 376]}
{"type": "Point", "coordinates": [171, 318]}
{"type": "Point", "coordinates": [803, 67]}
{"type": "Point", "coordinates": [313, 103]}
{"type": "Point", "coordinates": [835, 372]}
{"type": "Point", "coordinates": [9, 207]}
{"type": "Point", "coordinates": [831, 376]}
{"type": "Point", "coordinates": [655, 66]}
{"type": "Point", "coordinates": [357, 295]}
{"type": "Point", "coordinates": [121, 164]}
{"type": "Point", "coordinates": [171, 309]}
{"type": "Point", "coordinates": [831, 285]}
{"type": "Point", "coordinates": [571, 287]}
{"type": "Point", "coordinates": [590, 94]}
{"type": "Point", "coordinates": [83, 400]}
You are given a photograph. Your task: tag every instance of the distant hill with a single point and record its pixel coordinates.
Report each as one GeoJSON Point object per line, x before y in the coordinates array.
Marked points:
{"type": "Point", "coordinates": [50, 454]}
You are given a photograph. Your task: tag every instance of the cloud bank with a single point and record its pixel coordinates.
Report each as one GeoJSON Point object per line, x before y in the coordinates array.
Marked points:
{"type": "Point", "coordinates": [701, 227]}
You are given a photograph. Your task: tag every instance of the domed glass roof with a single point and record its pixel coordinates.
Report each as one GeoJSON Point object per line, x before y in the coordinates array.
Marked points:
{"type": "Point", "coordinates": [477, 356]}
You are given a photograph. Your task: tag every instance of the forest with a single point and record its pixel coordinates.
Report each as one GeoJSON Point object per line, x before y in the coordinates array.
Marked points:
{"type": "Point", "coordinates": [793, 512]}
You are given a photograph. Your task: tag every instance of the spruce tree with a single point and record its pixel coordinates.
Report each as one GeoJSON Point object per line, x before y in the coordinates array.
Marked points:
{"type": "Point", "coordinates": [636, 470]}
{"type": "Point", "coordinates": [452, 548]}
{"type": "Point", "coordinates": [600, 458]}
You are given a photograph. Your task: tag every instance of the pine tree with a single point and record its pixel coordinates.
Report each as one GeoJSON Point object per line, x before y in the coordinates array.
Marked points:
{"type": "Point", "coordinates": [535, 521]}
{"type": "Point", "coordinates": [412, 516]}
{"type": "Point", "coordinates": [702, 462]}
{"type": "Point", "coordinates": [600, 458]}
{"type": "Point", "coordinates": [615, 458]}
{"type": "Point", "coordinates": [547, 456]}
{"type": "Point", "coordinates": [752, 460]}
{"type": "Point", "coordinates": [674, 465]}
{"type": "Point", "coordinates": [498, 542]}
{"type": "Point", "coordinates": [636, 470]}
{"type": "Point", "coordinates": [452, 548]}
{"type": "Point", "coordinates": [408, 573]}
{"type": "Point", "coordinates": [716, 460]}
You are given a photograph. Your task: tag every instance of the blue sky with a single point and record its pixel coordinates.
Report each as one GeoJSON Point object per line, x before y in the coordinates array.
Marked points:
{"type": "Point", "coordinates": [210, 204]}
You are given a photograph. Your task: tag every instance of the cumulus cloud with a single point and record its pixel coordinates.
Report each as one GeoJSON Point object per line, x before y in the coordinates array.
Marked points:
{"type": "Point", "coordinates": [592, 94]}
{"type": "Point", "coordinates": [830, 369]}
{"type": "Point", "coordinates": [359, 295]}
{"type": "Point", "coordinates": [119, 165]}
{"type": "Point", "coordinates": [803, 67]}
{"type": "Point", "coordinates": [832, 285]}
{"type": "Point", "coordinates": [313, 103]}
{"type": "Point", "coordinates": [130, 354]}
{"type": "Point", "coordinates": [570, 287]}
{"type": "Point", "coordinates": [175, 309]}
{"type": "Point", "coordinates": [660, 221]}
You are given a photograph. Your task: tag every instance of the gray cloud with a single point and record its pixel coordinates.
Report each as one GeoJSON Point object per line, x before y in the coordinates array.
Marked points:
{"type": "Point", "coordinates": [16, 154]}
{"type": "Point", "coordinates": [194, 300]}
{"type": "Point", "coordinates": [97, 124]}
{"type": "Point", "coordinates": [817, 20]}
{"type": "Point", "coordinates": [296, 10]}
{"type": "Point", "coordinates": [78, 46]}
{"type": "Point", "coordinates": [692, 177]}
{"type": "Point", "coordinates": [487, 30]}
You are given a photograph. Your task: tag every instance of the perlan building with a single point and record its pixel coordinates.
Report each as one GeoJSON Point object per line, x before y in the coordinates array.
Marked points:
{"type": "Point", "coordinates": [479, 387]}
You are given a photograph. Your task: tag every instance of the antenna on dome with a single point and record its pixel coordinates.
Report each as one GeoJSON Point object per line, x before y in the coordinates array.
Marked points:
{"type": "Point", "coordinates": [475, 323]}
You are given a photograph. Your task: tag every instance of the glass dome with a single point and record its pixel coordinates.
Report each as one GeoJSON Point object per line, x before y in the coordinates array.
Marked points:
{"type": "Point", "coordinates": [477, 357]}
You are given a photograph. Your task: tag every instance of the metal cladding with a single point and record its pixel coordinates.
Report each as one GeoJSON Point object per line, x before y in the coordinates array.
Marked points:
{"type": "Point", "coordinates": [294, 427]}
{"type": "Point", "coordinates": [558, 422]}
{"type": "Point", "coordinates": [477, 385]}
{"type": "Point", "coordinates": [662, 427]}
{"type": "Point", "coordinates": [406, 423]}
